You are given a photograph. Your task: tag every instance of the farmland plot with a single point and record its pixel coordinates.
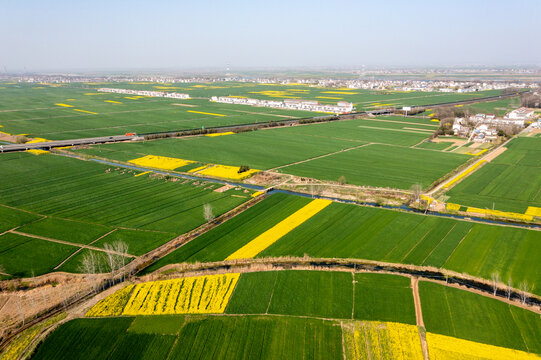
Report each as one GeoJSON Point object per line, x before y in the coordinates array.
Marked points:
{"type": "Point", "coordinates": [453, 312]}
{"type": "Point", "coordinates": [511, 182]}
{"type": "Point", "coordinates": [349, 231]}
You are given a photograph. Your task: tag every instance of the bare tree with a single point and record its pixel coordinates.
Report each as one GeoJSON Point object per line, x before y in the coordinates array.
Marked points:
{"type": "Point", "coordinates": [524, 288]}
{"type": "Point", "coordinates": [416, 191]}
{"type": "Point", "coordinates": [495, 281]}
{"type": "Point", "coordinates": [207, 212]}
{"type": "Point", "coordinates": [509, 288]}
{"type": "Point", "coordinates": [342, 180]}
{"type": "Point", "coordinates": [116, 257]}
{"type": "Point", "coordinates": [90, 265]}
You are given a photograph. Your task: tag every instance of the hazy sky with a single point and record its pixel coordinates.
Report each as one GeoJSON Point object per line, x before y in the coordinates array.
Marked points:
{"type": "Point", "coordinates": [115, 35]}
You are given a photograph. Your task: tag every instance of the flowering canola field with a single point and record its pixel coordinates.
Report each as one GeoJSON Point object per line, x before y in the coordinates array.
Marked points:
{"type": "Point", "coordinates": [441, 347]}
{"type": "Point", "coordinates": [160, 162]}
{"type": "Point", "coordinates": [220, 134]}
{"type": "Point", "coordinates": [225, 172]}
{"type": "Point", "coordinates": [381, 340]}
{"type": "Point", "coordinates": [469, 170]}
{"type": "Point", "coordinates": [113, 304]}
{"type": "Point", "coordinates": [512, 215]}
{"type": "Point", "coordinates": [192, 295]}
{"type": "Point", "coordinates": [272, 235]}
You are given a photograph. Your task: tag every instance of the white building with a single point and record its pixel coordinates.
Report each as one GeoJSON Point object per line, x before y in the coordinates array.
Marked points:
{"type": "Point", "coordinates": [341, 107]}
{"type": "Point", "coordinates": [520, 114]}
{"type": "Point", "coordinates": [165, 94]}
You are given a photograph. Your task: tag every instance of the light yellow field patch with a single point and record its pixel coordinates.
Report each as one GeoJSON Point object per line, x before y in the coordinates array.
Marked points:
{"type": "Point", "coordinates": [64, 105]}
{"type": "Point", "coordinates": [131, 97]}
{"type": "Point", "coordinates": [459, 105]}
{"type": "Point", "coordinates": [112, 305]}
{"type": "Point", "coordinates": [70, 99]}
{"type": "Point", "coordinates": [499, 213]}
{"type": "Point", "coordinates": [533, 211]}
{"type": "Point", "coordinates": [205, 113]}
{"type": "Point", "coordinates": [199, 86]}
{"type": "Point", "coordinates": [275, 93]}
{"type": "Point", "coordinates": [37, 151]}
{"type": "Point", "coordinates": [226, 172]}
{"type": "Point", "coordinates": [465, 173]}
{"type": "Point", "coordinates": [451, 206]}
{"type": "Point", "coordinates": [427, 198]}
{"type": "Point", "coordinates": [477, 153]}
{"type": "Point", "coordinates": [329, 97]}
{"type": "Point", "coordinates": [5, 133]}
{"type": "Point", "coordinates": [160, 162]}
{"type": "Point", "coordinates": [272, 235]}
{"type": "Point", "coordinates": [143, 173]}
{"type": "Point", "coordinates": [192, 295]}
{"type": "Point", "coordinates": [435, 120]}
{"type": "Point", "coordinates": [165, 87]}
{"type": "Point", "coordinates": [381, 340]}
{"type": "Point", "coordinates": [91, 94]}
{"type": "Point", "coordinates": [257, 193]}
{"type": "Point", "coordinates": [37, 140]}
{"type": "Point", "coordinates": [339, 92]}
{"type": "Point", "coordinates": [221, 134]}
{"type": "Point", "coordinates": [238, 96]}
{"type": "Point", "coordinates": [112, 102]}
{"type": "Point", "coordinates": [86, 111]}
{"type": "Point", "coordinates": [443, 347]}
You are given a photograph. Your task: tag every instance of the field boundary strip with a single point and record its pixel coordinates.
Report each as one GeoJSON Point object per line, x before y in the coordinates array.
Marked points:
{"type": "Point", "coordinates": [279, 230]}
{"type": "Point", "coordinates": [321, 156]}
{"type": "Point", "coordinates": [69, 243]}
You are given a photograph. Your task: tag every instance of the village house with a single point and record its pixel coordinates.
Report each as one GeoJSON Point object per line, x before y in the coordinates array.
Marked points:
{"type": "Point", "coordinates": [520, 114]}
{"type": "Point", "coordinates": [341, 107]}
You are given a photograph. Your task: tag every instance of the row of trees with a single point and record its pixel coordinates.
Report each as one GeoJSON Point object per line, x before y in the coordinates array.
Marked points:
{"type": "Point", "coordinates": [523, 288]}
{"type": "Point", "coordinates": [531, 100]}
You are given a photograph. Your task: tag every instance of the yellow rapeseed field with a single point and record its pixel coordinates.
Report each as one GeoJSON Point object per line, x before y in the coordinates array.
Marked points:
{"type": "Point", "coordinates": [220, 134]}
{"type": "Point", "coordinates": [272, 235]}
{"type": "Point", "coordinates": [441, 347]}
{"type": "Point", "coordinates": [160, 162]}
{"type": "Point", "coordinates": [381, 340]}
{"type": "Point", "coordinates": [500, 213]}
{"type": "Point", "coordinates": [477, 153]}
{"type": "Point", "coordinates": [64, 105]}
{"type": "Point", "coordinates": [205, 113]}
{"type": "Point", "coordinates": [469, 170]}
{"type": "Point", "coordinates": [225, 172]}
{"type": "Point", "coordinates": [37, 151]}
{"type": "Point", "coordinates": [86, 111]}
{"type": "Point", "coordinates": [37, 140]}
{"type": "Point", "coordinates": [534, 211]}
{"type": "Point", "coordinates": [451, 206]}
{"type": "Point", "coordinates": [192, 295]}
{"type": "Point", "coordinates": [112, 305]}
{"type": "Point", "coordinates": [112, 101]}
{"type": "Point", "coordinates": [329, 97]}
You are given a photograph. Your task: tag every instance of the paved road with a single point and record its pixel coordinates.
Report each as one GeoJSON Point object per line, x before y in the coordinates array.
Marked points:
{"type": "Point", "coordinates": [61, 143]}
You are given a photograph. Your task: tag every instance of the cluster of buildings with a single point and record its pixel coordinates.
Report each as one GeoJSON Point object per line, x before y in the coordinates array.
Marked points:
{"type": "Point", "coordinates": [341, 107]}
{"type": "Point", "coordinates": [484, 127]}
{"type": "Point", "coordinates": [165, 94]}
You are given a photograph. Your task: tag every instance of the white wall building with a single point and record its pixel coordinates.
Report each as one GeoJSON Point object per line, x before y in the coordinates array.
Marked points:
{"type": "Point", "coordinates": [520, 114]}
{"type": "Point", "coordinates": [165, 94]}
{"type": "Point", "coordinates": [341, 107]}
